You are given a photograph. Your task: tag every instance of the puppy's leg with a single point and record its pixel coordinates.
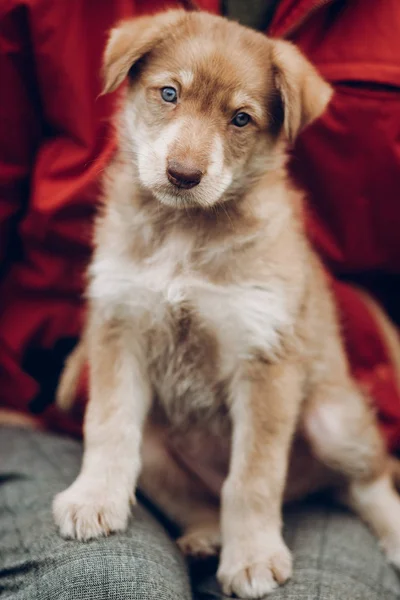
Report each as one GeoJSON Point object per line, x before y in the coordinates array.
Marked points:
{"type": "Point", "coordinates": [343, 432]}
{"type": "Point", "coordinates": [202, 540]}
{"type": "Point", "coordinates": [98, 502]}
{"type": "Point", "coordinates": [254, 557]}
{"type": "Point", "coordinates": [180, 495]}
{"type": "Point", "coordinates": [378, 504]}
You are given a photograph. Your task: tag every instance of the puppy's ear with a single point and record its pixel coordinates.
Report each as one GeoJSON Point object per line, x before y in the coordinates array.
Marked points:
{"type": "Point", "coordinates": [130, 41]}
{"type": "Point", "coordinates": [304, 93]}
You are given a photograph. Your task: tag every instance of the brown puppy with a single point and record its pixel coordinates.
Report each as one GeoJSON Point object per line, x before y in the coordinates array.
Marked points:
{"type": "Point", "coordinates": [212, 337]}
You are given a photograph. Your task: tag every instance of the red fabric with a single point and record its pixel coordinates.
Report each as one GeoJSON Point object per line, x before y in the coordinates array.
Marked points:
{"type": "Point", "coordinates": [55, 140]}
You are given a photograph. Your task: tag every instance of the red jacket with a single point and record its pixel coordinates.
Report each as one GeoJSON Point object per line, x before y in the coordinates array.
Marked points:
{"type": "Point", "coordinates": [55, 140]}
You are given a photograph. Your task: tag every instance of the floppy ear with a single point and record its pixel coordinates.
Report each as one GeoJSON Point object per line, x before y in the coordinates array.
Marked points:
{"type": "Point", "coordinates": [130, 41]}
{"type": "Point", "coordinates": [304, 93]}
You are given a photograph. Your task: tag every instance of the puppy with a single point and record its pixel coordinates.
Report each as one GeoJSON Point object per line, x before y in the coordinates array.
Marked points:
{"type": "Point", "coordinates": [216, 361]}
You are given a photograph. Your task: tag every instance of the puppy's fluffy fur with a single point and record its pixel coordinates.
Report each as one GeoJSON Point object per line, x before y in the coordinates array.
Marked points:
{"type": "Point", "coordinates": [212, 337]}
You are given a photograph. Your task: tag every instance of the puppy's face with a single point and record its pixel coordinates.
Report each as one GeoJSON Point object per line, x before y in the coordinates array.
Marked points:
{"type": "Point", "coordinates": [199, 119]}
{"type": "Point", "coordinates": [205, 106]}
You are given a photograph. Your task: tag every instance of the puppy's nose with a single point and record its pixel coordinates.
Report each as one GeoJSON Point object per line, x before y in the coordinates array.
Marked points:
{"type": "Point", "coordinates": [183, 175]}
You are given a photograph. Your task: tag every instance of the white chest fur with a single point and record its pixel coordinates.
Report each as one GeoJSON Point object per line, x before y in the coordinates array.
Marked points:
{"type": "Point", "coordinates": [246, 318]}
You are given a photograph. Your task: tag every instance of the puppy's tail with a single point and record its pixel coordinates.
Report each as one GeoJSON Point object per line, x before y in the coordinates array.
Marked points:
{"type": "Point", "coordinates": [70, 377]}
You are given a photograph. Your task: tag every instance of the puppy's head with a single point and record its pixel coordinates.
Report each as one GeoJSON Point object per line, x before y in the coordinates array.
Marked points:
{"type": "Point", "coordinates": [208, 103]}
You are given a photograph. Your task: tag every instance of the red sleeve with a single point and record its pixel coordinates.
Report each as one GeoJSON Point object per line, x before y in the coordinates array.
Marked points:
{"type": "Point", "coordinates": [55, 140]}
{"type": "Point", "coordinates": [20, 125]}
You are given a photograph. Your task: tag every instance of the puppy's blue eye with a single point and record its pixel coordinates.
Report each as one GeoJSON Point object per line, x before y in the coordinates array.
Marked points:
{"type": "Point", "coordinates": [169, 94]}
{"type": "Point", "coordinates": [241, 119]}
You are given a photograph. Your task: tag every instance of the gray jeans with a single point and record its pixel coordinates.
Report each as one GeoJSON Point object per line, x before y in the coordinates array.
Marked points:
{"type": "Point", "coordinates": [336, 558]}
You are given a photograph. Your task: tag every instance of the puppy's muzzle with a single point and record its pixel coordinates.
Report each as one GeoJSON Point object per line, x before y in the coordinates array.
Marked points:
{"type": "Point", "coordinates": [182, 175]}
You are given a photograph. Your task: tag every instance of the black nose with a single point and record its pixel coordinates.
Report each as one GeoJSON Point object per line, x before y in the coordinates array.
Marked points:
{"type": "Point", "coordinates": [183, 175]}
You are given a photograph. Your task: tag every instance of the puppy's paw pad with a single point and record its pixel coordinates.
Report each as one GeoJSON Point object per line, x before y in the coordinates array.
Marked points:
{"type": "Point", "coordinates": [85, 516]}
{"type": "Point", "coordinates": [259, 579]}
{"type": "Point", "coordinates": [200, 543]}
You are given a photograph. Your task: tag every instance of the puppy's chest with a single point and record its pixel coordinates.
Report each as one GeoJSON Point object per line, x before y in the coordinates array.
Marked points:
{"type": "Point", "coordinates": [184, 345]}
{"type": "Point", "coordinates": [195, 332]}
{"type": "Point", "coordinates": [184, 361]}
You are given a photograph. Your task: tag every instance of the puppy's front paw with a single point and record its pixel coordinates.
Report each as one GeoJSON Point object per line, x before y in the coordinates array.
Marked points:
{"type": "Point", "coordinates": [250, 575]}
{"type": "Point", "coordinates": [85, 514]}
